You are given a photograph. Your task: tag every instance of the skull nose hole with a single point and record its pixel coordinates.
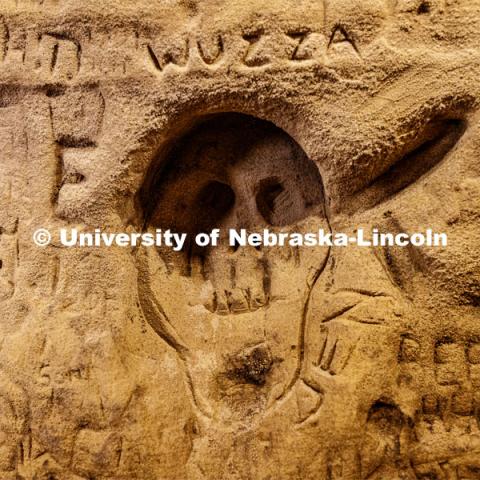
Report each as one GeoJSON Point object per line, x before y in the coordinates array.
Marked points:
{"type": "Point", "coordinates": [235, 246]}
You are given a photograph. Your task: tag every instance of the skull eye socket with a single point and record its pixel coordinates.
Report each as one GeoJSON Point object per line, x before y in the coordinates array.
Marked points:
{"type": "Point", "coordinates": [213, 203]}
{"type": "Point", "coordinates": [268, 200]}
{"type": "Point", "coordinates": [216, 195]}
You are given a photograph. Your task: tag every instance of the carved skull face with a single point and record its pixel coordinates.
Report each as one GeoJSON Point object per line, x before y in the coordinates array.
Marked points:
{"type": "Point", "coordinates": [235, 171]}
{"type": "Point", "coordinates": [243, 335]}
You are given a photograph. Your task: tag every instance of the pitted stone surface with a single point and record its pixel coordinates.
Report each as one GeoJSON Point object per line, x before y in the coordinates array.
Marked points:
{"type": "Point", "coordinates": [240, 363]}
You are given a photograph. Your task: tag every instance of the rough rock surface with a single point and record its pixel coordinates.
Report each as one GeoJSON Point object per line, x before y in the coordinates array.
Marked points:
{"type": "Point", "coordinates": [239, 363]}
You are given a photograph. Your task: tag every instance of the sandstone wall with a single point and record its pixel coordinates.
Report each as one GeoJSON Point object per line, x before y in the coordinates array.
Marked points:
{"type": "Point", "coordinates": [239, 363]}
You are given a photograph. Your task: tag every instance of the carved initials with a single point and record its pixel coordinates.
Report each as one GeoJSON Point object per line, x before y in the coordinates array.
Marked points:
{"type": "Point", "coordinates": [339, 35]}
{"type": "Point", "coordinates": [299, 53]}
{"type": "Point", "coordinates": [207, 56]}
{"type": "Point", "coordinates": [61, 54]}
{"type": "Point", "coordinates": [252, 58]}
{"type": "Point", "coordinates": [174, 57]}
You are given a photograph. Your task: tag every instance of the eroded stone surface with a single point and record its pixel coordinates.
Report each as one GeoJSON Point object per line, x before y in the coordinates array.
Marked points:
{"type": "Point", "coordinates": [280, 363]}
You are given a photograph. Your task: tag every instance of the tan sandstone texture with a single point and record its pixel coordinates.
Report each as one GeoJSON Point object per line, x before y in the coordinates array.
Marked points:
{"type": "Point", "coordinates": [239, 363]}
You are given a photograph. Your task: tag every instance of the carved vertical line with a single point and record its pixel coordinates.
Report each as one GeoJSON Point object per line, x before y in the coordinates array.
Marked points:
{"type": "Point", "coordinates": [54, 58]}
{"type": "Point", "coordinates": [153, 58]}
{"type": "Point", "coordinates": [4, 39]}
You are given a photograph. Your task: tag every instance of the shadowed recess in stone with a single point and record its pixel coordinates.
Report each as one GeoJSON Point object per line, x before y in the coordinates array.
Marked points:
{"type": "Point", "coordinates": [232, 171]}
{"type": "Point", "coordinates": [430, 147]}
